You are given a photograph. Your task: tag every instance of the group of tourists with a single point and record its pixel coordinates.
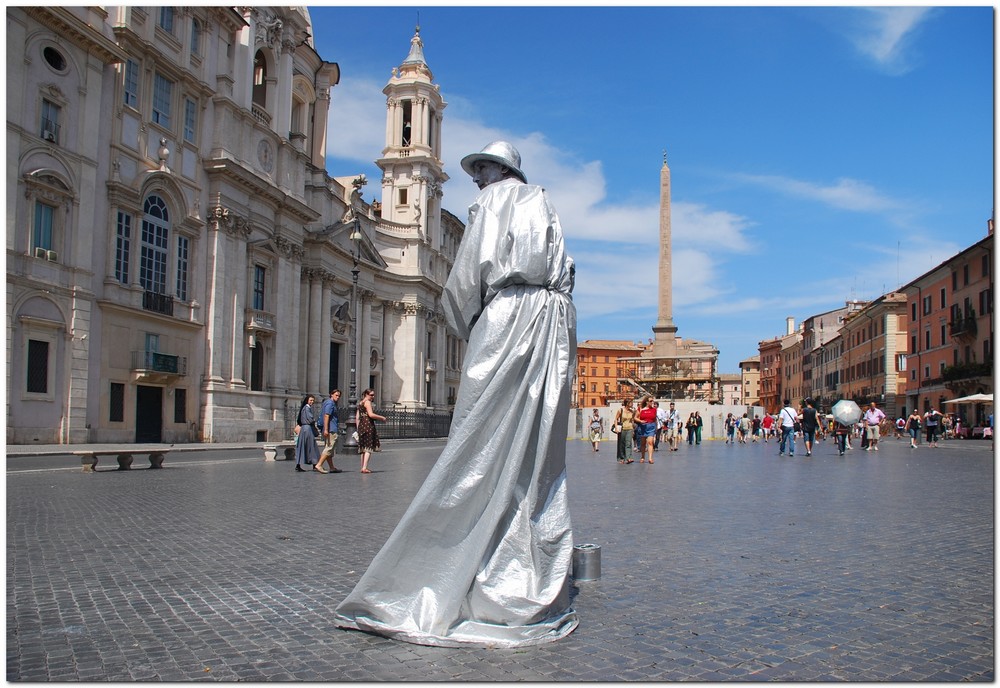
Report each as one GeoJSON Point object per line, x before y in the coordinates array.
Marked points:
{"type": "Point", "coordinates": [308, 428]}
{"type": "Point", "coordinates": [641, 429]}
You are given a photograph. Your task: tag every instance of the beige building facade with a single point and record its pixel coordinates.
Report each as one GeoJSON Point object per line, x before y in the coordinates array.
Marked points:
{"type": "Point", "coordinates": [873, 359]}
{"type": "Point", "coordinates": [750, 381]}
{"type": "Point", "coordinates": [181, 266]}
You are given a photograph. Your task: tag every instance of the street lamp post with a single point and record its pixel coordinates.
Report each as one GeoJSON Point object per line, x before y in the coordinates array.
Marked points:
{"type": "Point", "coordinates": [351, 426]}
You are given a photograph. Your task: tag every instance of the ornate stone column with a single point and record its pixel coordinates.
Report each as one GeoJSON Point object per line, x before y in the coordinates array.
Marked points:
{"type": "Point", "coordinates": [219, 222]}
{"type": "Point", "coordinates": [323, 324]}
{"type": "Point", "coordinates": [313, 327]}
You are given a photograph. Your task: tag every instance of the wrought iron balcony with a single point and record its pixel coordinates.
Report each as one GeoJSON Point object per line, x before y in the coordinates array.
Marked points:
{"type": "Point", "coordinates": [155, 362]}
{"type": "Point", "coordinates": [963, 327]}
{"type": "Point", "coordinates": [158, 303]}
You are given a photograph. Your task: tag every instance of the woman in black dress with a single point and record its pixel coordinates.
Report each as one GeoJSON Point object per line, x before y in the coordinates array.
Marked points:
{"type": "Point", "coordinates": [367, 434]}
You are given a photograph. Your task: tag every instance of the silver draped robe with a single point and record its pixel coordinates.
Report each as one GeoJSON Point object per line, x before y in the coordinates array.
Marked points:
{"type": "Point", "coordinates": [482, 555]}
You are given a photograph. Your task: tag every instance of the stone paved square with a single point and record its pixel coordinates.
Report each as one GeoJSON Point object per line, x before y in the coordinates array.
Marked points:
{"type": "Point", "coordinates": [718, 563]}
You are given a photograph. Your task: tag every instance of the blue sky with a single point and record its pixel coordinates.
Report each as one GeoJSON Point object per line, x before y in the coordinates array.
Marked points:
{"type": "Point", "coordinates": [817, 155]}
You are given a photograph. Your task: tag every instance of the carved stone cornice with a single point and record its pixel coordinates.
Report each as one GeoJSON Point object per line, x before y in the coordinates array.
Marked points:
{"type": "Point", "coordinates": [313, 273]}
{"type": "Point", "coordinates": [407, 308]}
{"type": "Point", "coordinates": [220, 218]}
{"type": "Point", "coordinates": [432, 184]}
{"type": "Point", "coordinates": [287, 249]}
{"type": "Point", "coordinates": [241, 227]}
{"type": "Point", "coordinates": [62, 21]}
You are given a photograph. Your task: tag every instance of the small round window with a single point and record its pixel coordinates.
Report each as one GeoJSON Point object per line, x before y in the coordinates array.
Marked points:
{"type": "Point", "coordinates": [54, 58]}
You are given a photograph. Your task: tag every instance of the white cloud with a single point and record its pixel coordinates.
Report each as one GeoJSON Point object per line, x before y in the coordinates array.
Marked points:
{"type": "Point", "coordinates": [353, 131]}
{"type": "Point", "coordinates": [615, 245]}
{"type": "Point", "coordinates": [693, 223]}
{"type": "Point", "coordinates": [844, 194]}
{"type": "Point", "coordinates": [885, 34]}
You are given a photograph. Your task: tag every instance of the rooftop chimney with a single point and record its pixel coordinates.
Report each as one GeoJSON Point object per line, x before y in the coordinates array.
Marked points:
{"type": "Point", "coordinates": [789, 325]}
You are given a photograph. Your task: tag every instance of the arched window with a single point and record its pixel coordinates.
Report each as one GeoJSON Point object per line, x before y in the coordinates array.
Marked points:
{"type": "Point", "coordinates": [153, 247]}
{"type": "Point", "coordinates": [260, 79]}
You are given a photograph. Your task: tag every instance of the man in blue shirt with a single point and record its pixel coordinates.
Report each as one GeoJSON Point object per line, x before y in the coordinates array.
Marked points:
{"type": "Point", "coordinates": [331, 426]}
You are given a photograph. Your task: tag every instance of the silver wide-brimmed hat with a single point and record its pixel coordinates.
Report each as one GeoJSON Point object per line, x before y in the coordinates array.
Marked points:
{"type": "Point", "coordinates": [499, 152]}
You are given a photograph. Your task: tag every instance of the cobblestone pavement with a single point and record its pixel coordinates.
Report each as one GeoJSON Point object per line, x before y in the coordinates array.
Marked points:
{"type": "Point", "coordinates": [718, 563]}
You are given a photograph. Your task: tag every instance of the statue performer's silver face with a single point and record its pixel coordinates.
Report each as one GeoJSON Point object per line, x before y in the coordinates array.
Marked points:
{"type": "Point", "coordinates": [487, 172]}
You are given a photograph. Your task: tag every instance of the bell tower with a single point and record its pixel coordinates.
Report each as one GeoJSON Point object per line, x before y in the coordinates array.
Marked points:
{"type": "Point", "coordinates": [412, 171]}
{"type": "Point", "coordinates": [413, 178]}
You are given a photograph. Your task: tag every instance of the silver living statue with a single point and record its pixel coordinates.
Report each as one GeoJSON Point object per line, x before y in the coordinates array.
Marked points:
{"type": "Point", "coordinates": [482, 555]}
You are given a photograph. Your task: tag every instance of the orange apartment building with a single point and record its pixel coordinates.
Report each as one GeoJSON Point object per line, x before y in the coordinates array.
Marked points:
{"type": "Point", "coordinates": [950, 333]}
{"type": "Point", "coordinates": [772, 354]}
{"type": "Point", "coordinates": [770, 374]}
{"type": "Point", "coordinates": [598, 379]}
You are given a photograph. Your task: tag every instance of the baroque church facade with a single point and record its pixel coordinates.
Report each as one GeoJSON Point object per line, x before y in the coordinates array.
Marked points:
{"type": "Point", "coordinates": [181, 267]}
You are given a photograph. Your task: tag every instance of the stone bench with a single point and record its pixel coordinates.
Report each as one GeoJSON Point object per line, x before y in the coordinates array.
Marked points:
{"type": "Point", "coordinates": [90, 457]}
{"type": "Point", "coordinates": [286, 447]}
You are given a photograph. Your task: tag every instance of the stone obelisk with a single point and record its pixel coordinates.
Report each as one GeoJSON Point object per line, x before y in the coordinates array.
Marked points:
{"type": "Point", "coordinates": [665, 342]}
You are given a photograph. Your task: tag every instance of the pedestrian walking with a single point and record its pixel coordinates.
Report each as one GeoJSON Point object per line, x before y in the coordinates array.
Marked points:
{"type": "Point", "coordinates": [673, 423]}
{"type": "Point", "coordinates": [306, 453]}
{"type": "Point", "coordinates": [810, 425]}
{"type": "Point", "coordinates": [368, 441]}
{"type": "Point", "coordinates": [596, 430]}
{"type": "Point", "coordinates": [331, 426]}
{"type": "Point", "coordinates": [743, 428]}
{"type": "Point", "coordinates": [932, 422]}
{"type": "Point", "coordinates": [645, 429]}
{"type": "Point", "coordinates": [913, 427]}
{"type": "Point", "coordinates": [787, 418]}
{"type": "Point", "coordinates": [840, 433]}
{"type": "Point", "coordinates": [661, 422]}
{"type": "Point", "coordinates": [766, 423]}
{"type": "Point", "coordinates": [625, 421]}
{"type": "Point", "coordinates": [873, 419]}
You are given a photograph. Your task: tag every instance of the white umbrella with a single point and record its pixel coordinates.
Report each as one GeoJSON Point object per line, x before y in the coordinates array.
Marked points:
{"type": "Point", "coordinates": [846, 412]}
{"type": "Point", "coordinates": [972, 398]}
